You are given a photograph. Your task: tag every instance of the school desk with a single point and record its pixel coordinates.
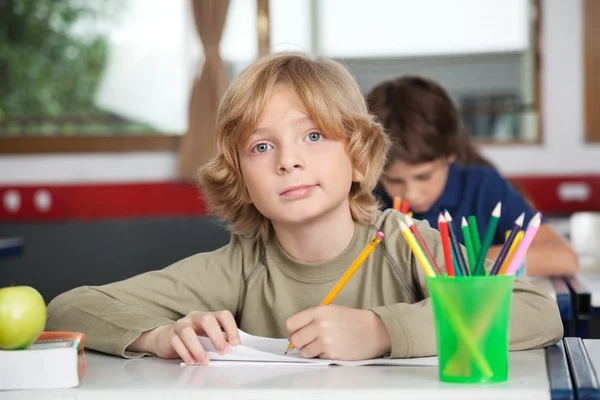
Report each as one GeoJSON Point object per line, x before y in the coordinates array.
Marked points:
{"type": "Point", "coordinates": [534, 374]}
{"type": "Point", "coordinates": [587, 285]}
{"type": "Point", "coordinates": [11, 246]}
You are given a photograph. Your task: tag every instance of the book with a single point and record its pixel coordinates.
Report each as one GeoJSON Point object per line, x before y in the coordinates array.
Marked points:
{"type": "Point", "coordinates": [257, 350]}
{"type": "Point", "coordinates": [55, 360]}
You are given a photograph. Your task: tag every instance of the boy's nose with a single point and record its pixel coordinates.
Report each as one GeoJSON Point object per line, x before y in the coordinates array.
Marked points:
{"type": "Point", "coordinates": [288, 161]}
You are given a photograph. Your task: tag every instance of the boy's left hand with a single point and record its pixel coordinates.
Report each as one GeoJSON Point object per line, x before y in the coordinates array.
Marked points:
{"type": "Point", "coordinates": [336, 332]}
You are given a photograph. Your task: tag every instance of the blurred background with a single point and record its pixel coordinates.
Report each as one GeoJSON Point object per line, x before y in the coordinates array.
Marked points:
{"type": "Point", "coordinates": [98, 146]}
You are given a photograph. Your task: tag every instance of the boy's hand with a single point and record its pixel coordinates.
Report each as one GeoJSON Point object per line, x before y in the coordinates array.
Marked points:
{"type": "Point", "coordinates": [179, 339]}
{"type": "Point", "coordinates": [337, 332]}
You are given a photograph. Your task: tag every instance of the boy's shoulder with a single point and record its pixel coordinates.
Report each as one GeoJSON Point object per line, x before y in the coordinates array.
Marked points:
{"type": "Point", "coordinates": [476, 176]}
{"type": "Point", "coordinates": [242, 251]}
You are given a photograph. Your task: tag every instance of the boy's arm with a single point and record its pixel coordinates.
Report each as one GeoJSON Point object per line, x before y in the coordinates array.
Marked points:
{"type": "Point", "coordinates": [114, 315]}
{"type": "Point", "coordinates": [534, 321]}
{"type": "Point", "coordinates": [548, 255]}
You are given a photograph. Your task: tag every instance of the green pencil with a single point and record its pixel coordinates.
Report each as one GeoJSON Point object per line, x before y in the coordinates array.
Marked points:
{"type": "Point", "coordinates": [487, 240]}
{"type": "Point", "coordinates": [474, 234]}
{"type": "Point", "coordinates": [468, 244]}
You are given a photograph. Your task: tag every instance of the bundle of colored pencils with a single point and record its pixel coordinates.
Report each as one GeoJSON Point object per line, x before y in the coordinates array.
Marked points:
{"type": "Point", "coordinates": [510, 258]}
{"type": "Point", "coordinates": [402, 206]}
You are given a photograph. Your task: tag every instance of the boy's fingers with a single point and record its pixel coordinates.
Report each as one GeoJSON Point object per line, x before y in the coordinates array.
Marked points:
{"type": "Point", "coordinates": [229, 326]}
{"type": "Point", "coordinates": [181, 350]}
{"type": "Point", "coordinates": [212, 330]}
{"type": "Point", "coordinates": [190, 341]}
{"type": "Point", "coordinates": [299, 320]}
{"type": "Point", "coordinates": [304, 337]}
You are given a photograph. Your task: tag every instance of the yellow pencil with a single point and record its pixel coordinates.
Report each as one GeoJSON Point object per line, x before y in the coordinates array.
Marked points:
{"type": "Point", "coordinates": [349, 272]}
{"type": "Point", "coordinates": [414, 245]}
{"type": "Point", "coordinates": [511, 251]}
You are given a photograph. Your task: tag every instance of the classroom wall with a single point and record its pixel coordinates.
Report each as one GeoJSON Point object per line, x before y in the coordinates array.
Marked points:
{"type": "Point", "coordinates": [563, 151]}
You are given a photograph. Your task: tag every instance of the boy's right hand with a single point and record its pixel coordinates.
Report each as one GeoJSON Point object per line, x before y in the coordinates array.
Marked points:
{"type": "Point", "coordinates": [179, 339]}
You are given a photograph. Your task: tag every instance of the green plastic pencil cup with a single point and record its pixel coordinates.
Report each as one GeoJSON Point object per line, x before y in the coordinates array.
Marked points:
{"type": "Point", "coordinates": [471, 318]}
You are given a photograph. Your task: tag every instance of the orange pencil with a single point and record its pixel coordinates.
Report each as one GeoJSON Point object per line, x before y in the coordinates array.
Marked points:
{"type": "Point", "coordinates": [397, 203]}
{"type": "Point", "coordinates": [349, 272]}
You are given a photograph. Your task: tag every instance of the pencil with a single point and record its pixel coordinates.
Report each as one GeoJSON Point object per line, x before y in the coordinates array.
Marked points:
{"type": "Point", "coordinates": [489, 236]}
{"type": "Point", "coordinates": [348, 274]}
{"type": "Point", "coordinates": [460, 258]}
{"type": "Point", "coordinates": [468, 244]}
{"type": "Point", "coordinates": [405, 207]}
{"type": "Point", "coordinates": [411, 225]}
{"type": "Point", "coordinates": [511, 252]}
{"type": "Point", "coordinates": [507, 243]}
{"type": "Point", "coordinates": [443, 227]}
{"type": "Point", "coordinates": [472, 221]}
{"type": "Point", "coordinates": [414, 245]}
{"type": "Point", "coordinates": [397, 203]}
{"type": "Point", "coordinates": [532, 229]}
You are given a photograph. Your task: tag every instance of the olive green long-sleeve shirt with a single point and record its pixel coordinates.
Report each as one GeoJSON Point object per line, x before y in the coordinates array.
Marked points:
{"type": "Point", "coordinates": [262, 286]}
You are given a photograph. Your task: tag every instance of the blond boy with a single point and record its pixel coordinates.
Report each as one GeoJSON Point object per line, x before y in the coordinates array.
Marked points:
{"type": "Point", "coordinates": [298, 158]}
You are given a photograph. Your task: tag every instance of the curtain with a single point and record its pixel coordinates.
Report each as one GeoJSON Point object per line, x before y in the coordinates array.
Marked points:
{"type": "Point", "coordinates": [198, 145]}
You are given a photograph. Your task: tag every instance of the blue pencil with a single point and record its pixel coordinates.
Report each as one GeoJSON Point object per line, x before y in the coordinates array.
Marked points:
{"type": "Point", "coordinates": [517, 226]}
{"type": "Point", "coordinates": [459, 254]}
{"type": "Point", "coordinates": [457, 271]}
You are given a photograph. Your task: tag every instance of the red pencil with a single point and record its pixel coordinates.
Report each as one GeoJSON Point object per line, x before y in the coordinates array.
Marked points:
{"type": "Point", "coordinates": [443, 227]}
{"type": "Point", "coordinates": [405, 207]}
{"type": "Point", "coordinates": [411, 225]}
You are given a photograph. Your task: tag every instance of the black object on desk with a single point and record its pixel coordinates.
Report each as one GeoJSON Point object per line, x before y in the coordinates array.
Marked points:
{"type": "Point", "coordinates": [565, 306]}
{"type": "Point", "coordinates": [10, 247]}
{"type": "Point", "coordinates": [582, 300]}
{"type": "Point", "coordinates": [582, 372]}
{"type": "Point", "coordinates": [561, 387]}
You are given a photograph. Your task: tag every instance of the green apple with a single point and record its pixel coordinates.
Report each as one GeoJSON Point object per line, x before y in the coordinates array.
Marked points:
{"type": "Point", "coordinates": [22, 317]}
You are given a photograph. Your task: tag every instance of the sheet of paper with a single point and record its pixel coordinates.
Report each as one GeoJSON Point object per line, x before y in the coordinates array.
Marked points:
{"type": "Point", "coordinates": [255, 350]}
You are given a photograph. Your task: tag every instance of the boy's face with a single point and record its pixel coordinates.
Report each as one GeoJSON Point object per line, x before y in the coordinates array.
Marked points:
{"type": "Point", "coordinates": [293, 172]}
{"type": "Point", "coordinates": [420, 184]}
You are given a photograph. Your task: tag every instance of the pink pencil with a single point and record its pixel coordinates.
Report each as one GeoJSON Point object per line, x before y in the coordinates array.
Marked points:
{"type": "Point", "coordinates": [532, 229]}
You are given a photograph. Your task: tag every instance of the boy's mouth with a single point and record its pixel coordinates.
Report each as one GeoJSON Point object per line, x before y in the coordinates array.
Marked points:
{"type": "Point", "coordinates": [297, 191]}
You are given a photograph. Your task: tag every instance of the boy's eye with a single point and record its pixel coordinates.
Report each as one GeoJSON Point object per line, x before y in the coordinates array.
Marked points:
{"type": "Point", "coordinates": [261, 148]}
{"type": "Point", "coordinates": [314, 136]}
{"type": "Point", "coordinates": [424, 177]}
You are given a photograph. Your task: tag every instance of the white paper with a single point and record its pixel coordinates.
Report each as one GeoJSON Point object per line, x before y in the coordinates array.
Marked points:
{"type": "Point", "coordinates": [256, 350]}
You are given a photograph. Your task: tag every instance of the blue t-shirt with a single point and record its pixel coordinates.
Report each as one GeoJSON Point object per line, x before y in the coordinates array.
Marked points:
{"type": "Point", "coordinates": [473, 190]}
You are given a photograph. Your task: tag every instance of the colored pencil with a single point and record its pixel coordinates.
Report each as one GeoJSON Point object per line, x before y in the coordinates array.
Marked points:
{"type": "Point", "coordinates": [472, 221]}
{"type": "Point", "coordinates": [397, 203]}
{"type": "Point", "coordinates": [462, 264]}
{"type": "Point", "coordinates": [410, 214]}
{"type": "Point", "coordinates": [411, 225]}
{"type": "Point", "coordinates": [507, 243]}
{"type": "Point", "coordinates": [532, 229]}
{"type": "Point", "coordinates": [414, 245]}
{"type": "Point", "coordinates": [468, 244]}
{"type": "Point", "coordinates": [348, 274]}
{"type": "Point", "coordinates": [511, 252]}
{"type": "Point", "coordinates": [457, 270]}
{"type": "Point", "coordinates": [489, 236]}
{"type": "Point", "coordinates": [443, 228]}
{"type": "Point", "coordinates": [405, 207]}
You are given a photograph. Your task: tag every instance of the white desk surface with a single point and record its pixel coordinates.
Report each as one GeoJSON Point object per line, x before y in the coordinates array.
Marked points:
{"type": "Point", "coordinates": [589, 276]}
{"type": "Point", "coordinates": [592, 346]}
{"type": "Point", "coordinates": [152, 378]}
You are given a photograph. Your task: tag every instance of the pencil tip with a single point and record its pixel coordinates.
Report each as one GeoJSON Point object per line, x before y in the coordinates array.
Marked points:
{"type": "Point", "coordinates": [463, 222]}
{"type": "Point", "coordinates": [441, 218]}
{"type": "Point", "coordinates": [447, 216]}
{"type": "Point", "coordinates": [520, 220]}
{"type": "Point", "coordinates": [496, 212]}
{"type": "Point", "coordinates": [379, 235]}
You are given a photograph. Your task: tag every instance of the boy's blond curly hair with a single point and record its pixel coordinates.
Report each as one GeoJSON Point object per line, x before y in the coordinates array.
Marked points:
{"type": "Point", "coordinates": [330, 97]}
